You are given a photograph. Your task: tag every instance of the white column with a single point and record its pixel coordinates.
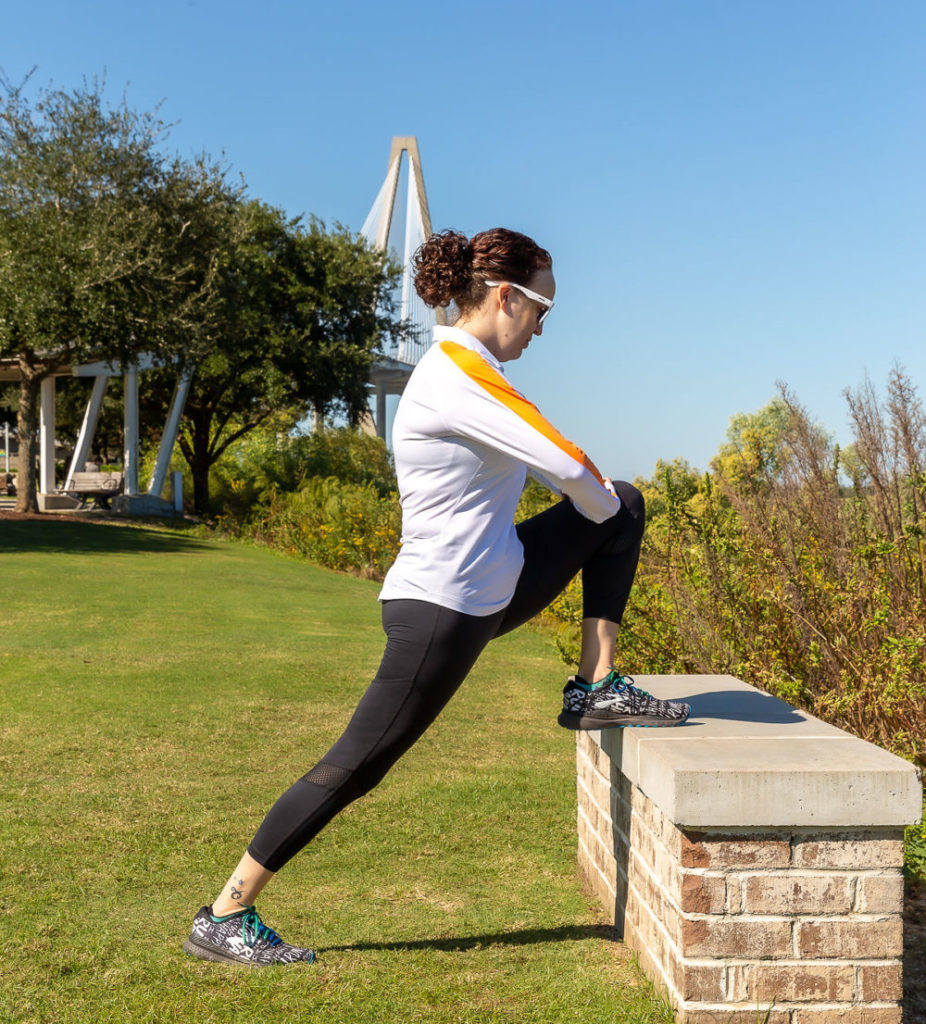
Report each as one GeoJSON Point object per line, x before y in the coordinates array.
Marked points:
{"type": "Point", "coordinates": [87, 429]}
{"type": "Point", "coordinates": [130, 422]}
{"type": "Point", "coordinates": [6, 444]}
{"type": "Point", "coordinates": [169, 436]}
{"type": "Point", "coordinates": [47, 437]}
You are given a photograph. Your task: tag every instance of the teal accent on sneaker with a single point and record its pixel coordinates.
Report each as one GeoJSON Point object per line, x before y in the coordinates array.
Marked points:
{"type": "Point", "coordinates": [616, 702]}
{"type": "Point", "coordinates": [241, 938]}
{"type": "Point", "coordinates": [228, 917]}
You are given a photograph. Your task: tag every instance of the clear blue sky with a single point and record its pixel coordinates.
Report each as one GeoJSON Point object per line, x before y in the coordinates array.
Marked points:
{"type": "Point", "coordinates": [734, 191]}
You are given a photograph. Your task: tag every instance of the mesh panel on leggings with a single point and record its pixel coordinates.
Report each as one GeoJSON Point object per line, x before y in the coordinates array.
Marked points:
{"type": "Point", "coordinates": [329, 775]}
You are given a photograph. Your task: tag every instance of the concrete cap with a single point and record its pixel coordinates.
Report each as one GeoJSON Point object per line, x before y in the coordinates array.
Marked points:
{"type": "Point", "coordinates": [745, 758]}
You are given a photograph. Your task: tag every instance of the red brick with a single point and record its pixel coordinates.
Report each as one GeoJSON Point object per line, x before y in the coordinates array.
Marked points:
{"type": "Point", "coordinates": [726, 937]}
{"type": "Point", "coordinates": [851, 850]}
{"type": "Point", "coordinates": [648, 931]}
{"type": "Point", "coordinates": [849, 1015]}
{"type": "Point", "coordinates": [693, 1015]}
{"type": "Point", "coordinates": [793, 982]}
{"type": "Point", "coordinates": [620, 816]}
{"type": "Point", "coordinates": [791, 893]}
{"type": "Point", "coordinates": [881, 983]}
{"type": "Point", "coordinates": [842, 940]}
{"type": "Point", "coordinates": [693, 853]}
{"type": "Point", "coordinates": [641, 840]}
{"type": "Point", "coordinates": [880, 894]}
{"type": "Point", "coordinates": [702, 850]}
{"type": "Point", "coordinates": [698, 982]}
{"type": "Point", "coordinates": [734, 894]}
{"type": "Point", "coordinates": [702, 894]}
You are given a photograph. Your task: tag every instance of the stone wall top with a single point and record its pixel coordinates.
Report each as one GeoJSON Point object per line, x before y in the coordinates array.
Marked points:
{"type": "Point", "coordinates": [745, 758]}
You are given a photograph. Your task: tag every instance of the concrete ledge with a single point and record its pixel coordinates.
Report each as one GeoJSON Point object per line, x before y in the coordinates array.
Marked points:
{"type": "Point", "coordinates": [56, 502]}
{"type": "Point", "coordinates": [746, 759]}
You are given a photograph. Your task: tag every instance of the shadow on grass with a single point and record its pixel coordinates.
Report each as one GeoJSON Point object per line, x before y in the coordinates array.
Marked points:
{"type": "Point", "coordinates": [522, 937]}
{"type": "Point", "coordinates": [70, 536]}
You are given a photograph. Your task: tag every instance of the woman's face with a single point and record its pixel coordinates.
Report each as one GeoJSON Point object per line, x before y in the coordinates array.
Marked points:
{"type": "Point", "coordinates": [524, 313]}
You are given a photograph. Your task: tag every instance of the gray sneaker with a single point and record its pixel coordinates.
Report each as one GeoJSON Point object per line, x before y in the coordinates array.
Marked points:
{"type": "Point", "coordinates": [241, 938]}
{"type": "Point", "coordinates": [617, 702]}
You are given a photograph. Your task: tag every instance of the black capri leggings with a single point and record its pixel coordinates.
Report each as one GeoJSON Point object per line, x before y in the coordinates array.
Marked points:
{"type": "Point", "coordinates": [430, 651]}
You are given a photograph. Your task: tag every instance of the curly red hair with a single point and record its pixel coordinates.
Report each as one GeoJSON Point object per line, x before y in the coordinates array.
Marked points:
{"type": "Point", "coordinates": [451, 268]}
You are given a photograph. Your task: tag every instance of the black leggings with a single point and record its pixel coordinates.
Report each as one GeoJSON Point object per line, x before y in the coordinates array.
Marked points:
{"type": "Point", "coordinates": [430, 651]}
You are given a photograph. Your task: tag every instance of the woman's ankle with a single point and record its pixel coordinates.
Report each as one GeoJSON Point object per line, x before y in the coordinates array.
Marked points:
{"type": "Point", "coordinates": [596, 676]}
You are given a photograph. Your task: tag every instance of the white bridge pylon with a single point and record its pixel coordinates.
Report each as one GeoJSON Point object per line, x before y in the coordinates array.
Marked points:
{"type": "Point", "coordinates": [390, 375]}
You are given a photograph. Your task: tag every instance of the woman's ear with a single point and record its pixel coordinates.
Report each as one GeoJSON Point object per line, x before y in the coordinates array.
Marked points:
{"type": "Point", "coordinates": [503, 297]}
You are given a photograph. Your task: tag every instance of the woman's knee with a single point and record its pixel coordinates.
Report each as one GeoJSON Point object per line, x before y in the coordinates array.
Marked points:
{"type": "Point", "coordinates": [631, 499]}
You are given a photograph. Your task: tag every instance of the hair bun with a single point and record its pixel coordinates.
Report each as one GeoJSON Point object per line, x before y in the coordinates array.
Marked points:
{"type": "Point", "coordinates": [443, 268]}
{"type": "Point", "coordinates": [448, 267]}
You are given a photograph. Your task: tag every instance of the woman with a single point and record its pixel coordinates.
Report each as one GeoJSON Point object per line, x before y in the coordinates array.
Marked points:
{"type": "Point", "coordinates": [463, 440]}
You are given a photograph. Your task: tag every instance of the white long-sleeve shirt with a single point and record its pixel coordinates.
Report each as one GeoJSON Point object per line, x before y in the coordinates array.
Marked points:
{"type": "Point", "coordinates": [463, 439]}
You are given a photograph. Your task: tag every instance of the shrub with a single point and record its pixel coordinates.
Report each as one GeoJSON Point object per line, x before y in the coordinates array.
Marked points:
{"type": "Point", "coordinates": [795, 566]}
{"type": "Point", "coordinates": [346, 526]}
{"type": "Point", "coordinates": [272, 461]}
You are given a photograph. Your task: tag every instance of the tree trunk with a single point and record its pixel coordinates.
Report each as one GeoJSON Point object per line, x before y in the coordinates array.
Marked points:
{"type": "Point", "coordinates": [195, 447]}
{"type": "Point", "coordinates": [199, 468]}
{"type": "Point", "coordinates": [27, 426]}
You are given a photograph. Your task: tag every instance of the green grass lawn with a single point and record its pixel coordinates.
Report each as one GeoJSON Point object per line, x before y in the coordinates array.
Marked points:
{"type": "Point", "coordinates": [159, 691]}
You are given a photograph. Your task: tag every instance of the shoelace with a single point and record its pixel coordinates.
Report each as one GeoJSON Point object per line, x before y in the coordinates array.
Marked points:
{"type": "Point", "coordinates": [621, 684]}
{"type": "Point", "coordinates": [252, 929]}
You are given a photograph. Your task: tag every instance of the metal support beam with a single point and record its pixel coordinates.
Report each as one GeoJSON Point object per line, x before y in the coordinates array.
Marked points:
{"type": "Point", "coordinates": [130, 424]}
{"type": "Point", "coordinates": [47, 437]}
{"type": "Point", "coordinates": [87, 429]}
{"type": "Point", "coordinates": [171, 426]}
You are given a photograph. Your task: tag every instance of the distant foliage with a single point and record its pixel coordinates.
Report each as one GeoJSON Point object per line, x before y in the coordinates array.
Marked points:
{"type": "Point", "coordinates": [794, 565]}
{"type": "Point", "coordinates": [328, 496]}
{"type": "Point", "coordinates": [272, 461]}
{"type": "Point", "coordinates": [340, 525]}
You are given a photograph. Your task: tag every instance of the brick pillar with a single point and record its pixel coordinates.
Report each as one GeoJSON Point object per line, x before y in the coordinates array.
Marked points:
{"type": "Point", "coordinates": [729, 919]}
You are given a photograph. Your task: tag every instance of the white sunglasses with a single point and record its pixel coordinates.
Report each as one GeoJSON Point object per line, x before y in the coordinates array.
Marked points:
{"type": "Point", "coordinates": [542, 299]}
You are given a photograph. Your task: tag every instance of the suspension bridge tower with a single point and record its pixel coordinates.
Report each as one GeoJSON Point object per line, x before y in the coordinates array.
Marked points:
{"type": "Point", "coordinates": [390, 374]}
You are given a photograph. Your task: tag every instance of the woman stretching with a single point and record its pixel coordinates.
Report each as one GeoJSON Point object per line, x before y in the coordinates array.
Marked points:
{"type": "Point", "coordinates": [463, 440]}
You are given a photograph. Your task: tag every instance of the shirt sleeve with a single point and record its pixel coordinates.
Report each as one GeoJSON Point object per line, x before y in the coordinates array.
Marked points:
{"type": "Point", "coordinates": [488, 409]}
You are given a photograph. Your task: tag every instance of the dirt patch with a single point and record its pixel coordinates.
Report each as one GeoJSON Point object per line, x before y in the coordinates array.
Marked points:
{"type": "Point", "coordinates": [6, 513]}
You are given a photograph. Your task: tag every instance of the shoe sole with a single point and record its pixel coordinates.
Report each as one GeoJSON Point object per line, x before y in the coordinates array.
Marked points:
{"type": "Point", "coordinates": [217, 956]}
{"type": "Point", "coordinates": [577, 722]}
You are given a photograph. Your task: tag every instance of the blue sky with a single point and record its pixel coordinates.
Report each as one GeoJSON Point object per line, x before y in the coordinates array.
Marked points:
{"type": "Point", "coordinates": [733, 191]}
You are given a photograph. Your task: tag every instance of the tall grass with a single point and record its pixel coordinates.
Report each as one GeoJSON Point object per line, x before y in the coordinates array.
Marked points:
{"type": "Point", "coordinates": [802, 570]}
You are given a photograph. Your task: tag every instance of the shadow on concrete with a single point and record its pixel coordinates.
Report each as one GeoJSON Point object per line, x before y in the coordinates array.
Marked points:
{"type": "Point", "coordinates": [58, 535]}
{"type": "Point", "coordinates": [742, 706]}
{"type": "Point", "coordinates": [523, 937]}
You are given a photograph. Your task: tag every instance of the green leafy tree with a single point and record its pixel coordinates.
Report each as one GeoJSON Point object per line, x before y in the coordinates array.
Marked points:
{"type": "Point", "coordinates": [300, 314]}
{"type": "Point", "coordinates": [756, 450]}
{"type": "Point", "coordinates": [95, 228]}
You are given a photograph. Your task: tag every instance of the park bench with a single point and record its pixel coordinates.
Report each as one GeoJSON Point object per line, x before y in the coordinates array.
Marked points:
{"type": "Point", "coordinates": [752, 855]}
{"type": "Point", "coordinates": [101, 486]}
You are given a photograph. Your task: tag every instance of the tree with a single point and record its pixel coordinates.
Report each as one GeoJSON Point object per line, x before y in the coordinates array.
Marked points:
{"type": "Point", "coordinates": [95, 223]}
{"type": "Point", "coordinates": [299, 315]}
